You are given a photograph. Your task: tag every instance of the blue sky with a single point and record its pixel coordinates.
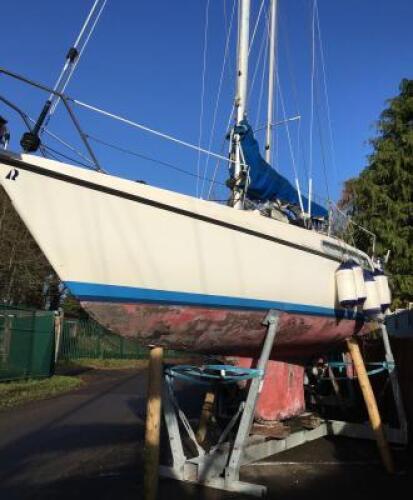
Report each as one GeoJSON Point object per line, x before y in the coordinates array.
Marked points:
{"type": "Point", "coordinates": [145, 62]}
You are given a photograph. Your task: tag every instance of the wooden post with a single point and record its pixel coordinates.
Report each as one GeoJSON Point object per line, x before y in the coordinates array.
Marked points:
{"type": "Point", "coordinates": [207, 410]}
{"type": "Point", "coordinates": [7, 334]}
{"type": "Point", "coordinates": [153, 424]}
{"type": "Point", "coordinates": [371, 404]}
{"type": "Point", "coordinates": [58, 328]}
{"type": "Point", "coordinates": [336, 388]}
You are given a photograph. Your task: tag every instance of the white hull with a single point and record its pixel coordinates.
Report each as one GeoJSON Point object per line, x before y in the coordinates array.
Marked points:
{"type": "Point", "coordinates": [99, 230]}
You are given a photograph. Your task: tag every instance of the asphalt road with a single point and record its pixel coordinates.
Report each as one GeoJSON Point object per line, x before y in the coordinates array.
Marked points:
{"type": "Point", "coordinates": [88, 444]}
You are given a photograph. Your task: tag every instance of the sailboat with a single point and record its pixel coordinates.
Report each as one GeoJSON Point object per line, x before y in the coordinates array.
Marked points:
{"type": "Point", "coordinates": [177, 271]}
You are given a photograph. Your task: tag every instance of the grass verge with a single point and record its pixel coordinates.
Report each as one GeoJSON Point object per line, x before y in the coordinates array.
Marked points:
{"type": "Point", "coordinates": [109, 364]}
{"type": "Point", "coordinates": [17, 393]}
{"type": "Point", "coordinates": [115, 364]}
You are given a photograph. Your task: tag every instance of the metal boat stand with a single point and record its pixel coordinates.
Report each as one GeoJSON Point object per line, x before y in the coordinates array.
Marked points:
{"type": "Point", "coordinates": [394, 381]}
{"type": "Point", "coordinates": [220, 466]}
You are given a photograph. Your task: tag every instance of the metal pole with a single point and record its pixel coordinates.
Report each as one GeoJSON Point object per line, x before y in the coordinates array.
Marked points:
{"type": "Point", "coordinates": [83, 136]}
{"type": "Point", "coordinates": [271, 78]}
{"type": "Point", "coordinates": [243, 47]}
{"type": "Point", "coordinates": [310, 168]}
{"type": "Point", "coordinates": [30, 142]}
{"type": "Point", "coordinates": [18, 111]}
{"type": "Point", "coordinates": [241, 94]}
{"type": "Point", "coordinates": [172, 427]}
{"type": "Point", "coordinates": [234, 463]}
{"type": "Point", "coordinates": [401, 414]}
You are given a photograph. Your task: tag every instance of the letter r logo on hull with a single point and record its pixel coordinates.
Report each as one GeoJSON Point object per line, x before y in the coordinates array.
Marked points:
{"type": "Point", "coordinates": [13, 174]}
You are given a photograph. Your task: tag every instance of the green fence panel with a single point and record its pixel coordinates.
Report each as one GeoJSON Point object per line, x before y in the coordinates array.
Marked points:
{"type": "Point", "coordinates": [26, 343]}
{"type": "Point", "coordinates": [88, 339]}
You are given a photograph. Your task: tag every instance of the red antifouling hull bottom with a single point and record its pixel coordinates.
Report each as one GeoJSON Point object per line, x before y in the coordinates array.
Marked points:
{"type": "Point", "coordinates": [224, 332]}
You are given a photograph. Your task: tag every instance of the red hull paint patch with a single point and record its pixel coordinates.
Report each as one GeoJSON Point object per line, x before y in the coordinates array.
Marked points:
{"type": "Point", "coordinates": [222, 331]}
{"type": "Point", "coordinates": [282, 394]}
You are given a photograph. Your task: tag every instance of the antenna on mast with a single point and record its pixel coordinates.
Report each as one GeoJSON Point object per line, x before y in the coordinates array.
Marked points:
{"type": "Point", "coordinates": [271, 79]}
{"type": "Point", "coordinates": [240, 101]}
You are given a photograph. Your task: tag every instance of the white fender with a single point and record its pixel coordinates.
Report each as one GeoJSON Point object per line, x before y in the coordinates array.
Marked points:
{"type": "Point", "coordinates": [383, 289]}
{"type": "Point", "coordinates": [359, 282]}
{"type": "Point", "coordinates": [371, 305]}
{"type": "Point", "coordinates": [346, 286]}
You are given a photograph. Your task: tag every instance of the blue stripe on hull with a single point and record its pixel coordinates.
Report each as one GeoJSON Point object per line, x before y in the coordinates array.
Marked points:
{"type": "Point", "coordinates": [114, 293]}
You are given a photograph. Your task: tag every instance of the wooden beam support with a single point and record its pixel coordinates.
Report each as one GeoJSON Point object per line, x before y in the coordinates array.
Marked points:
{"type": "Point", "coordinates": [58, 330]}
{"type": "Point", "coordinates": [371, 404]}
{"type": "Point", "coordinates": [207, 412]}
{"type": "Point", "coordinates": [153, 424]}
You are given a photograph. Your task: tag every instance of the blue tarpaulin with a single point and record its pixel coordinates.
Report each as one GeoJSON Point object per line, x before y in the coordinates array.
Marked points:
{"type": "Point", "coordinates": [264, 182]}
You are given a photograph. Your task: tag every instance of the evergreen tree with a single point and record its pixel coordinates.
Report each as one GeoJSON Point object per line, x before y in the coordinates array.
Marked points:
{"type": "Point", "coordinates": [381, 197]}
{"type": "Point", "coordinates": [26, 277]}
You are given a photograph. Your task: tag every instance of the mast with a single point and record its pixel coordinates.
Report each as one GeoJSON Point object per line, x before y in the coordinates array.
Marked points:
{"type": "Point", "coordinates": [271, 79]}
{"type": "Point", "coordinates": [241, 97]}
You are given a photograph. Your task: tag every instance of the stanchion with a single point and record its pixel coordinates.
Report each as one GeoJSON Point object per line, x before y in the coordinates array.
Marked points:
{"type": "Point", "coordinates": [153, 424]}
{"type": "Point", "coordinates": [371, 404]}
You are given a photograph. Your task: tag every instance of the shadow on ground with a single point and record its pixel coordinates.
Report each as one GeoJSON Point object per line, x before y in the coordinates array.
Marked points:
{"type": "Point", "coordinates": [89, 444]}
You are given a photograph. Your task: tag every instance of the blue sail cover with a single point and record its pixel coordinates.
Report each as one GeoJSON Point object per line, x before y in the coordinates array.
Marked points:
{"type": "Point", "coordinates": [264, 182]}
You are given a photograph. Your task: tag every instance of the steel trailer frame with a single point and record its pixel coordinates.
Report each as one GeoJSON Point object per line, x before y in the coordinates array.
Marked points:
{"type": "Point", "coordinates": [220, 467]}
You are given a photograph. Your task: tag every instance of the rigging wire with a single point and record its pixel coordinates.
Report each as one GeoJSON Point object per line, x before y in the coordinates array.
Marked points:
{"type": "Point", "coordinates": [264, 42]}
{"type": "Point", "coordinates": [201, 115]}
{"type": "Point", "coordinates": [224, 3]}
{"type": "Point", "coordinates": [27, 119]}
{"type": "Point", "coordinates": [301, 155]}
{"type": "Point", "coordinates": [264, 68]}
{"type": "Point", "coordinates": [310, 164]}
{"type": "Point", "coordinates": [297, 182]}
{"type": "Point", "coordinates": [148, 129]}
{"type": "Point", "coordinates": [283, 29]}
{"type": "Point", "coordinates": [230, 68]}
{"type": "Point", "coordinates": [75, 45]}
{"type": "Point", "coordinates": [261, 91]}
{"type": "Point", "coordinates": [86, 42]}
{"type": "Point", "coordinates": [76, 61]}
{"type": "Point", "coordinates": [221, 79]}
{"type": "Point", "coordinates": [323, 156]}
{"type": "Point", "coordinates": [144, 157]}
{"type": "Point", "coordinates": [263, 39]}
{"type": "Point", "coordinates": [333, 154]}
{"type": "Point", "coordinates": [318, 108]}
{"type": "Point", "coordinates": [48, 148]}
{"type": "Point", "coordinates": [218, 162]}
{"type": "Point", "coordinates": [255, 27]}
{"type": "Point", "coordinates": [64, 143]}
{"type": "Point", "coordinates": [49, 155]}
